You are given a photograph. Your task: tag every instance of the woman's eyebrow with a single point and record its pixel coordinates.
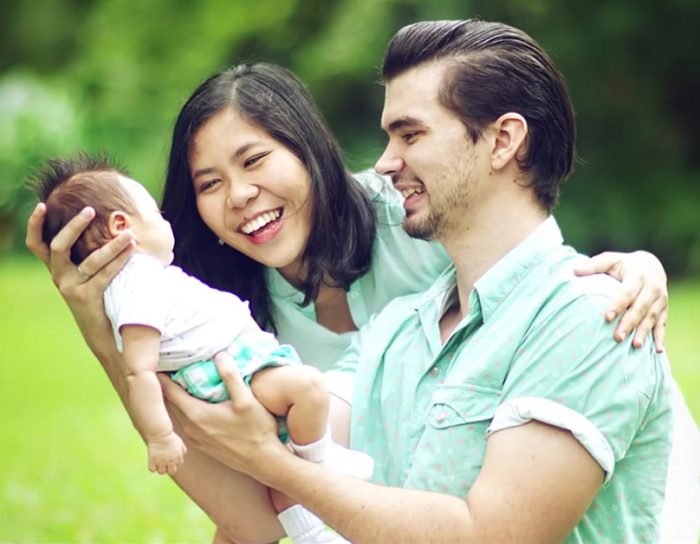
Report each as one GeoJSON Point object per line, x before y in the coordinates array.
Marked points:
{"type": "Point", "coordinates": [202, 172]}
{"type": "Point", "coordinates": [235, 156]}
{"type": "Point", "coordinates": [245, 148]}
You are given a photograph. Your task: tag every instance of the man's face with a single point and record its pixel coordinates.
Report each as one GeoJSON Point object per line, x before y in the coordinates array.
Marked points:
{"type": "Point", "coordinates": [430, 156]}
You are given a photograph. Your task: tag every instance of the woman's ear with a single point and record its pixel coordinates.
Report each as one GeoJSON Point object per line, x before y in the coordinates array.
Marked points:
{"type": "Point", "coordinates": [511, 137]}
{"type": "Point", "coordinates": [118, 222]}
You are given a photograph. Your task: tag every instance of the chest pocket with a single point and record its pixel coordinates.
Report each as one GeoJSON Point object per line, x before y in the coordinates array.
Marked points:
{"type": "Point", "coordinates": [451, 449]}
{"type": "Point", "coordinates": [454, 405]}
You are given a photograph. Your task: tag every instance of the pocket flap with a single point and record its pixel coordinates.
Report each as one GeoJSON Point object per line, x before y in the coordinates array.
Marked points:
{"type": "Point", "coordinates": [460, 404]}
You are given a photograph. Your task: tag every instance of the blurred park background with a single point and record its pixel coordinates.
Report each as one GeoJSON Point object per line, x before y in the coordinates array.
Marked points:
{"type": "Point", "coordinates": [113, 74]}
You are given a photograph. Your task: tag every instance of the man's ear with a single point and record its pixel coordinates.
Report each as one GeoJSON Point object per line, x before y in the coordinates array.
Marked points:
{"type": "Point", "coordinates": [511, 137]}
{"type": "Point", "coordinates": [118, 222]}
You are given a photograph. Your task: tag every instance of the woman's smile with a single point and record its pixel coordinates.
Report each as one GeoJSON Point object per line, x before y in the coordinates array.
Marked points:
{"type": "Point", "coordinates": [251, 190]}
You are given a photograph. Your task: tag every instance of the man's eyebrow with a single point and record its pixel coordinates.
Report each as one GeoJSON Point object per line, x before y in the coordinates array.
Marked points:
{"type": "Point", "coordinates": [403, 122]}
{"type": "Point", "coordinates": [234, 157]}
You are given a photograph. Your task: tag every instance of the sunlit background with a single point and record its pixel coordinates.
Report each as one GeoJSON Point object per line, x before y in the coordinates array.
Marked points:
{"type": "Point", "coordinates": [113, 74]}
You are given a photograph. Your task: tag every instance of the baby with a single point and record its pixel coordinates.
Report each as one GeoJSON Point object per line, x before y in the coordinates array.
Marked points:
{"type": "Point", "coordinates": [167, 321]}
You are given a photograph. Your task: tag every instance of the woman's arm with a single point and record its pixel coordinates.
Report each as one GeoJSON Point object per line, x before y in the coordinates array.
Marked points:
{"type": "Point", "coordinates": [236, 503]}
{"type": "Point", "coordinates": [84, 296]}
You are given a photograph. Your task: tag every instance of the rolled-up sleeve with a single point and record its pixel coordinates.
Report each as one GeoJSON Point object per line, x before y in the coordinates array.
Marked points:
{"type": "Point", "coordinates": [570, 372]}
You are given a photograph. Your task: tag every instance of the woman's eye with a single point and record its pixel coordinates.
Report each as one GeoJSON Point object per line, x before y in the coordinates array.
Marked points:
{"type": "Point", "coordinates": [254, 160]}
{"type": "Point", "coordinates": [208, 185]}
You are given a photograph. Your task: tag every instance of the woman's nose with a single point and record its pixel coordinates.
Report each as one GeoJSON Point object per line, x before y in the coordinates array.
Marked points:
{"type": "Point", "coordinates": [240, 194]}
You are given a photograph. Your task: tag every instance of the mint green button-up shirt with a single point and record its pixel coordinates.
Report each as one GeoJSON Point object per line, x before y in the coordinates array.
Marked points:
{"type": "Point", "coordinates": [401, 265]}
{"type": "Point", "coordinates": [534, 346]}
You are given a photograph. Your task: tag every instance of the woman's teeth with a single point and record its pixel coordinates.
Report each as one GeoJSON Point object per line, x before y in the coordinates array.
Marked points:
{"type": "Point", "coordinates": [260, 221]}
{"type": "Point", "coordinates": [413, 190]}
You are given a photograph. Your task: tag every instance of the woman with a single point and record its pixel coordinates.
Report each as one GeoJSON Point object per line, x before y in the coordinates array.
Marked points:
{"type": "Point", "coordinates": [261, 205]}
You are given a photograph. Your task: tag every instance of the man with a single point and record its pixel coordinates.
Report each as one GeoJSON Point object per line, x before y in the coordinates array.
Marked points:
{"type": "Point", "coordinates": [497, 405]}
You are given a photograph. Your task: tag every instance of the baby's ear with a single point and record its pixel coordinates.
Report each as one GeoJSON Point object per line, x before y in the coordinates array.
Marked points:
{"type": "Point", "coordinates": [118, 221]}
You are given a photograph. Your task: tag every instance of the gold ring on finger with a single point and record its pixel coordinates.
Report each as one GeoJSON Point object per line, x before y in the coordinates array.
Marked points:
{"type": "Point", "coordinates": [82, 275]}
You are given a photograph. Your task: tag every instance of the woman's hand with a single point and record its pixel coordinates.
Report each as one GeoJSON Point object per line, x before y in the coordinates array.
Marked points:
{"type": "Point", "coordinates": [240, 433]}
{"type": "Point", "coordinates": [81, 286]}
{"type": "Point", "coordinates": [643, 296]}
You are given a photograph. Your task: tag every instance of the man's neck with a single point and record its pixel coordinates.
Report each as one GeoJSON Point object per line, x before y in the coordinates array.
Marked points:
{"type": "Point", "coordinates": [486, 237]}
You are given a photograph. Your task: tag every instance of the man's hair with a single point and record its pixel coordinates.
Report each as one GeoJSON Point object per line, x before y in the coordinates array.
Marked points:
{"type": "Point", "coordinates": [68, 184]}
{"type": "Point", "coordinates": [343, 222]}
{"type": "Point", "coordinates": [493, 69]}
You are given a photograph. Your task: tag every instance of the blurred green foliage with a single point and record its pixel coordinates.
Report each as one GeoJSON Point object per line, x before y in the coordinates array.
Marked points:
{"type": "Point", "coordinates": [113, 74]}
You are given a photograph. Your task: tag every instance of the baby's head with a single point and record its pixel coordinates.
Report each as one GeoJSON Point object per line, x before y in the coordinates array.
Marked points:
{"type": "Point", "coordinates": [68, 184]}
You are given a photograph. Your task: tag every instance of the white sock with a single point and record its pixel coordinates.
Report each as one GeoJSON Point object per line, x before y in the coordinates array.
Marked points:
{"type": "Point", "coordinates": [305, 528]}
{"type": "Point", "coordinates": [314, 452]}
{"type": "Point", "coordinates": [324, 451]}
{"type": "Point", "coordinates": [355, 464]}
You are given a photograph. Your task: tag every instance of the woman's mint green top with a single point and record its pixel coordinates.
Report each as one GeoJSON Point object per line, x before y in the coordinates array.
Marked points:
{"type": "Point", "coordinates": [400, 266]}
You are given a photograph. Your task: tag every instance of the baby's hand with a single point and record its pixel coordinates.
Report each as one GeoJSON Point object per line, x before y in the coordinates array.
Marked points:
{"type": "Point", "coordinates": [165, 455]}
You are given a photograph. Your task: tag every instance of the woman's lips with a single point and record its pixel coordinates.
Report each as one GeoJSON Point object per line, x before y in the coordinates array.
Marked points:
{"type": "Point", "coordinates": [266, 233]}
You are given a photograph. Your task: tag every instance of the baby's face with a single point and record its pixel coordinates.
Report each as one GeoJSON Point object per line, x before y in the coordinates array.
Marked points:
{"type": "Point", "coordinates": [153, 234]}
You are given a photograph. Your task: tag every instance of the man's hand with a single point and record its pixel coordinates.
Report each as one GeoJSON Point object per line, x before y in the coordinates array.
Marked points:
{"type": "Point", "coordinates": [240, 433]}
{"type": "Point", "coordinates": [165, 455]}
{"type": "Point", "coordinates": [643, 296]}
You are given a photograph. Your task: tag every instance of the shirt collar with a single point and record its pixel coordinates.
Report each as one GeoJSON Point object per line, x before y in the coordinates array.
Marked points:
{"type": "Point", "coordinates": [281, 288]}
{"type": "Point", "coordinates": [503, 277]}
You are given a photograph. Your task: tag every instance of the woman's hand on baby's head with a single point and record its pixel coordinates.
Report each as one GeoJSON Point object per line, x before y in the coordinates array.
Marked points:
{"type": "Point", "coordinates": [77, 284]}
{"type": "Point", "coordinates": [34, 240]}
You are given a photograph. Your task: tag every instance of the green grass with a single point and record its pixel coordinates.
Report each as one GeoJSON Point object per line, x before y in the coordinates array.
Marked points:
{"type": "Point", "coordinates": [682, 341]}
{"type": "Point", "coordinates": [72, 469]}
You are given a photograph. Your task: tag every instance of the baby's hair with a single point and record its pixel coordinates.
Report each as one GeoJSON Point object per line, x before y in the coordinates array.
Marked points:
{"type": "Point", "coordinates": [68, 184]}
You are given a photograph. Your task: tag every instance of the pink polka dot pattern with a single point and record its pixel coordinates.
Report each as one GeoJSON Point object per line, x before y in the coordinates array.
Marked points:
{"type": "Point", "coordinates": [533, 331]}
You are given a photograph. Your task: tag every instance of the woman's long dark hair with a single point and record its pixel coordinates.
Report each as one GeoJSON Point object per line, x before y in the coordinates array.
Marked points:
{"type": "Point", "coordinates": [343, 228]}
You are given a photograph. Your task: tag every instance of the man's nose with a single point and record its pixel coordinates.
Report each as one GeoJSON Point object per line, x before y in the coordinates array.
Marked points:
{"type": "Point", "coordinates": [389, 163]}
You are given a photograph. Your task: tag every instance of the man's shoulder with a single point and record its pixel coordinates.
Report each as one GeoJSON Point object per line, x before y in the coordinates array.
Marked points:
{"type": "Point", "coordinates": [565, 285]}
{"type": "Point", "coordinates": [554, 293]}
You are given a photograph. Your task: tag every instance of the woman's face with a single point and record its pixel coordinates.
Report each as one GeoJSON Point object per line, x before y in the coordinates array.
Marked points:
{"type": "Point", "coordinates": [251, 191]}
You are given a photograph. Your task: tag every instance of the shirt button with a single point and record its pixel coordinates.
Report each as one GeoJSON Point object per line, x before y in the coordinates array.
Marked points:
{"type": "Point", "coordinates": [441, 416]}
{"type": "Point", "coordinates": [433, 372]}
{"type": "Point", "coordinates": [354, 294]}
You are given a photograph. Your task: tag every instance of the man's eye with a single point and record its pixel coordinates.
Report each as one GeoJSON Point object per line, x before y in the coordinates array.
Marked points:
{"type": "Point", "coordinates": [409, 136]}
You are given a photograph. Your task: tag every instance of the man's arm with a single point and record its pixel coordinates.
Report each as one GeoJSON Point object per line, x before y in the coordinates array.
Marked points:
{"type": "Point", "coordinates": [536, 482]}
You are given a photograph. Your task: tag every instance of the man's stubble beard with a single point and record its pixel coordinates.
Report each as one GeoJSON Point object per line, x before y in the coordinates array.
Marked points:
{"type": "Point", "coordinates": [451, 202]}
